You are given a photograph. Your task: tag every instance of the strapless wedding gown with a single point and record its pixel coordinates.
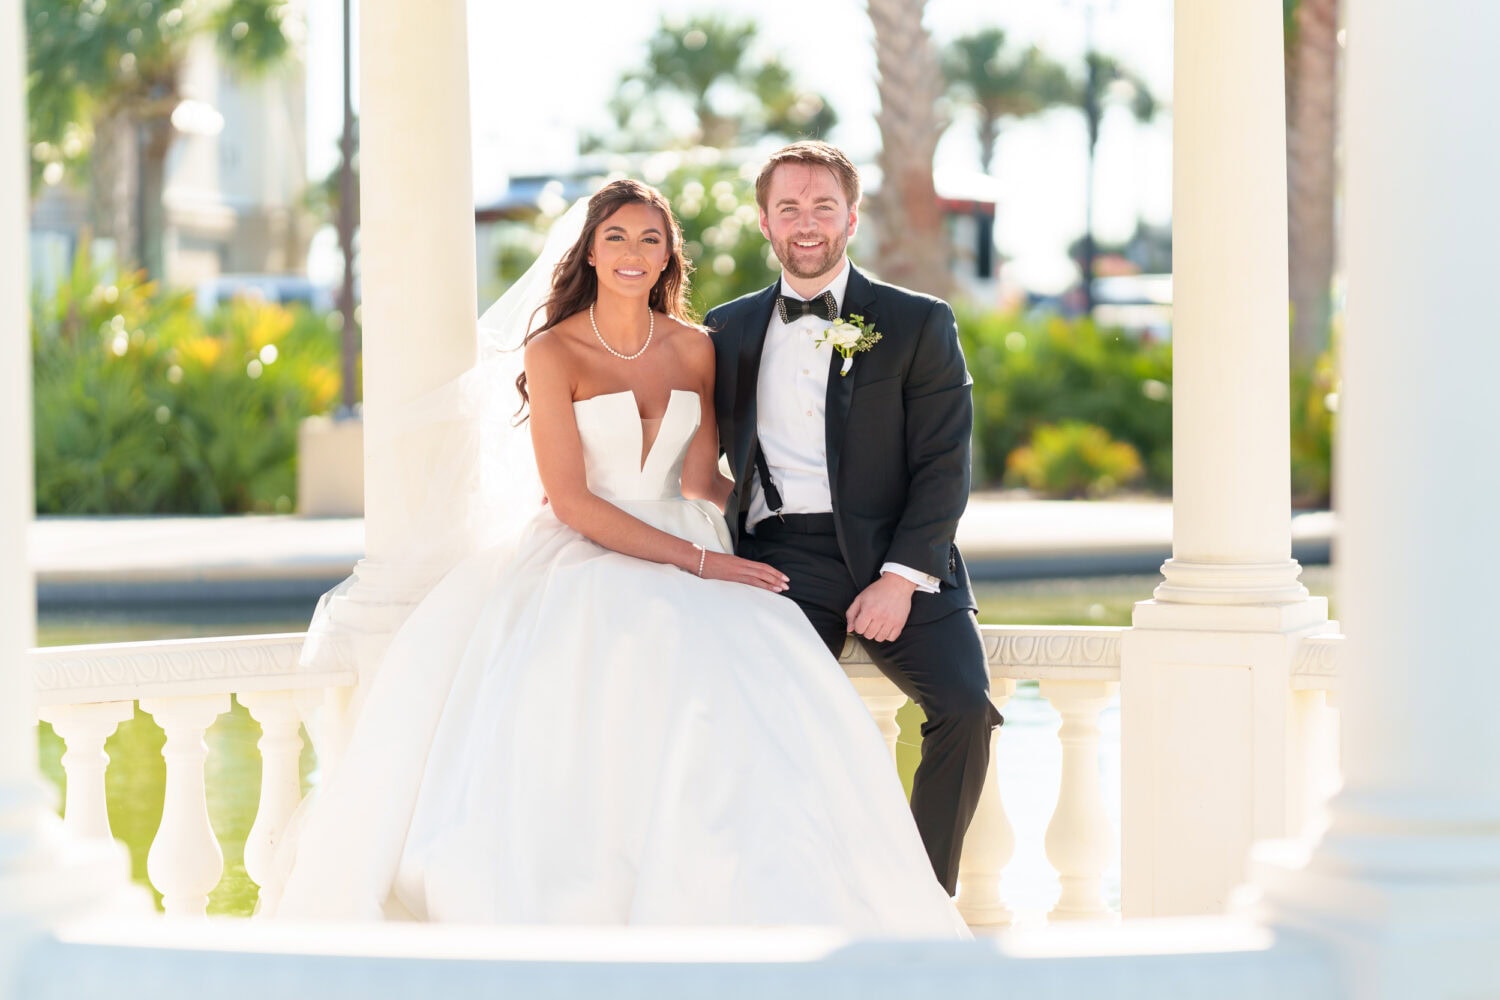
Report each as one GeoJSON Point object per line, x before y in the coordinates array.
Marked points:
{"type": "Point", "coordinates": [568, 735]}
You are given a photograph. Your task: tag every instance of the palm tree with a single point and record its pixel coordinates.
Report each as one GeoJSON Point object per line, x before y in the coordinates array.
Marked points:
{"type": "Point", "coordinates": [705, 62]}
{"type": "Point", "coordinates": [1104, 78]}
{"type": "Point", "coordinates": [981, 73]}
{"type": "Point", "coordinates": [913, 248]}
{"type": "Point", "coordinates": [1312, 126]}
{"type": "Point", "coordinates": [110, 76]}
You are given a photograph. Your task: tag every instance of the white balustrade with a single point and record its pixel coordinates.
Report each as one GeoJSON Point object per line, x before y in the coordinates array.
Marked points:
{"type": "Point", "coordinates": [990, 841]}
{"type": "Point", "coordinates": [880, 696]}
{"type": "Point", "coordinates": [185, 862]}
{"type": "Point", "coordinates": [83, 729]}
{"type": "Point", "coordinates": [1079, 836]}
{"type": "Point", "coordinates": [280, 780]}
{"type": "Point", "coordinates": [185, 685]}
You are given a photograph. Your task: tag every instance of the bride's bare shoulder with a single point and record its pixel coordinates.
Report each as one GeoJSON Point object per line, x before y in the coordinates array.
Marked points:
{"type": "Point", "coordinates": [551, 358]}
{"type": "Point", "coordinates": [554, 345]}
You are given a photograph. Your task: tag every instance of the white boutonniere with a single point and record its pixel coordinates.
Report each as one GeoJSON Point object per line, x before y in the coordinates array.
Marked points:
{"type": "Point", "coordinates": [849, 337]}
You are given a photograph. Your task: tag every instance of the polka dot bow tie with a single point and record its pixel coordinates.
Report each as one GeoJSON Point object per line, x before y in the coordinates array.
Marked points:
{"type": "Point", "coordinates": [825, 306]}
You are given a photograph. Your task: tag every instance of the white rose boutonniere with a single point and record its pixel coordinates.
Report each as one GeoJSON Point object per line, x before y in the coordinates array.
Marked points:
{"type": "Point", "coordinates": [849, 337]}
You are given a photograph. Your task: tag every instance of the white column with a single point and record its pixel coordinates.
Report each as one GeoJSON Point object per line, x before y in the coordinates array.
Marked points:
{"type": "Point", "coordinates": [1406, 882]}
{"type": "Point", "coordinates": [416, 238]}
{"type": "Point", "coordinates": [1205, 672]}
{"type": "Point", "coordinates": [18, 773]}
{"type": "Point", "coordinates": [1231, 469]}
{"type": "Point", "coordinates": [37, 877]}
{"type": "Point", "coordinates": [418, 318]}
{"type": "Point", "coordinates": [22, 804]}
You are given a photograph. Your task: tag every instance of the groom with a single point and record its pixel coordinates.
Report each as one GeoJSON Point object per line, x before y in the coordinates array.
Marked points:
{"type": "Point", "coordinates": [850, 475]}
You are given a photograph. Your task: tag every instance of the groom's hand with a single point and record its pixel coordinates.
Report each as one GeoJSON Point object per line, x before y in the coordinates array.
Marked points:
{"type": "Point", "coordinates": [880, 611]}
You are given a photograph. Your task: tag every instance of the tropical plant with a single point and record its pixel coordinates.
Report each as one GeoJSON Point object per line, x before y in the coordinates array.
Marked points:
{"type": "Point", "coordinates": [1073, 459]}
{"type": "Point", "coordinates": [1034, 370]}
{"type": "Point", "coordinates": [704, 67]}
{"type": "Point", "coordinates": [144, 406]}
{"type": "Point", "coordinates": [1314, 393]}
{"type": "Point", "coordinates": [1104, 79]}
{"type": "Point", "coordinates": [1312, 71]}
{"type": "Point", "coordinates": [913, 246]}
{"type": "Point", "coordinates": [998, 85]}
{"type": "Point", "coordinates": [105, 81]}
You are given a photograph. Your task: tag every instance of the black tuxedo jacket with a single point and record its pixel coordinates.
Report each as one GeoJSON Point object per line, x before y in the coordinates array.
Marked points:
{"type": "Point", "coordinates": [898, 431]}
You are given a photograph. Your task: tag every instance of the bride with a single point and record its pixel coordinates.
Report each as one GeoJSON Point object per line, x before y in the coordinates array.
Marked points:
{"type": "Point", "coordinates": [614, 720]}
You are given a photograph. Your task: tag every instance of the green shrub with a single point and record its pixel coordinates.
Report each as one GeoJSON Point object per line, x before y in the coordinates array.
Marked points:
{"type": "Point", "coordinates": [1314, 402]}
{"type": "Point", "coordinates": [143, 406]}
{"type": "Point", "coordinates": [1033, 371]}
{"type": "Point", "coordinates": [1073, 459]}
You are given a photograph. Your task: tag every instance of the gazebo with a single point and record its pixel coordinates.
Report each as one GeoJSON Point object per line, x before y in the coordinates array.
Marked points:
{"type": "Point", "coordinates": [1236, 880]}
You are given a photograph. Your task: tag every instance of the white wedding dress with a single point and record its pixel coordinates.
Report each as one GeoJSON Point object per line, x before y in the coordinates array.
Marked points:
{"type": "Point", "coordinates": [562, 734]}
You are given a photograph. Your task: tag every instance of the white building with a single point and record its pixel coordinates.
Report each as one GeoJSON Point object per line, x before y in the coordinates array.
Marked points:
{"type": "Point", "coordinates": [235, 185]}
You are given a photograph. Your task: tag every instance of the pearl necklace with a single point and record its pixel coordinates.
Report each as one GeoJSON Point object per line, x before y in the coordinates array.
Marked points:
{"type": "Point", "coordinates": [650, 330]}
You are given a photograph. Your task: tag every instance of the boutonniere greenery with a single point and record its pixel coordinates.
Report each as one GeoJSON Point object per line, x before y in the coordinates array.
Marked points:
{"type": "Point", "coordinates": [850, 335]}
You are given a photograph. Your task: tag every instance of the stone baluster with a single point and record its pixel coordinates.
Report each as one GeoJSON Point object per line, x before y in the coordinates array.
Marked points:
{"type": "Point", "coordinates": [280, 779]}
{"type": "Point", "coordinates": [83, 729]}
{"type": "Point", "coordinates": [883, 700]}
{"type": "Point", "coordinates": [990, 842]}
{"type": "Point", "coordinates": [1078, 835]}
{"type": "Point", "coordinates": [1313, 771]}
{"type": "Point", "coordinates": [185, 862]}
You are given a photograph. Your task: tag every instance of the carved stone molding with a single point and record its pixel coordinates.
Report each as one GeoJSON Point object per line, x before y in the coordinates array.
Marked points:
{"type": "Point", "coordinates": [1023, 652]}
{"type": "Point", "coordinates": [134, 670]}
{"type": "Point", "coordinates": [1318, 659]}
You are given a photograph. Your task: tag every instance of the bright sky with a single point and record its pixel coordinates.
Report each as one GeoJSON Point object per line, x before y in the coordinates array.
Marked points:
{"type": "Point", "coordinates": [542, 72]}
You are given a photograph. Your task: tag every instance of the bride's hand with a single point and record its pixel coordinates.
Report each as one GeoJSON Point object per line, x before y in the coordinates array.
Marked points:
{"type": "Point", "coordinates": [722, 566]}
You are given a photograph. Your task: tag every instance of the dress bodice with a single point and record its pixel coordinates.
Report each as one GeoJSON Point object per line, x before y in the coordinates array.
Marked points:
{"type": "Point", "coordinates": [611, 431]}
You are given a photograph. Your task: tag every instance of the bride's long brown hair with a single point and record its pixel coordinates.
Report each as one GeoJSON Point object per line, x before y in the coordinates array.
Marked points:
{"type": "Point", "coordinates": [575, 285]}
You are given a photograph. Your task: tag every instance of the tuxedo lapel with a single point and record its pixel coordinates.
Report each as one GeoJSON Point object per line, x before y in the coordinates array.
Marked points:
{"type": "Point", "coordinates": [756, 317]}
{"type": "Point", "coordinates": [859, 299]}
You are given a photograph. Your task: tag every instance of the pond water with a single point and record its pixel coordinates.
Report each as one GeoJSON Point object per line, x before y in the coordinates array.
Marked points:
{"type": "Point", "coordinates": [1028, 763]}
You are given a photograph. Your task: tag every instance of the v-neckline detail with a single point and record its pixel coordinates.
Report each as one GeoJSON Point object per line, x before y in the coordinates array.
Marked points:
{"type": "Point", "coordinates": [647, 452]}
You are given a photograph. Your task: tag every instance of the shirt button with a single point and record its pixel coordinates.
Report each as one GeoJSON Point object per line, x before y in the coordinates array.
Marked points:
{"type": "Point", "coordinates": [806, 372]}
{"type": "Point", "coordinates": [809, 413]}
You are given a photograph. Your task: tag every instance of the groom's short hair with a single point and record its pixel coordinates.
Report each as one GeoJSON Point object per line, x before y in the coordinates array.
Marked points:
{"type": "Point", "coordinates": [813, 153]}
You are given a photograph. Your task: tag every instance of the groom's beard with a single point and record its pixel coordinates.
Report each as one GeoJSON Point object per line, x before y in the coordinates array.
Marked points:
{"type": "Point", "coordinates": [800, 263]}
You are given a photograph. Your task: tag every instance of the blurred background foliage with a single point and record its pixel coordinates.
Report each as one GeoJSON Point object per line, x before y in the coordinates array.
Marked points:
{"type": "Point", "coordinates": [703, 83]}
{"type": "Point", "coordinates": [1041, 370]}
{"type": "Point", "coordinates": [144, 406]}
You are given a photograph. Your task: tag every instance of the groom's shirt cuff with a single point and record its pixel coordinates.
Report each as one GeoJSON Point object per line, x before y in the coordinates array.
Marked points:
{"type": "Point", "coordinates": [926, 584]}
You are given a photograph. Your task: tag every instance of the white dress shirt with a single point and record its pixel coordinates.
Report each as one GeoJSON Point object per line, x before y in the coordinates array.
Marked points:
{"type": "Point", "coordinates": [791, 394]}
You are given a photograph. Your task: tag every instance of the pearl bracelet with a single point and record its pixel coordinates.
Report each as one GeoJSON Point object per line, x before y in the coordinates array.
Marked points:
{"type": "Point", "coordinates": [702, 557]}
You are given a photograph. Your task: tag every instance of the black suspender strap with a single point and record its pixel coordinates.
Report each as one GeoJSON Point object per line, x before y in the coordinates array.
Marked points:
{"type": "Point", "coordinates": [773, 495]}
